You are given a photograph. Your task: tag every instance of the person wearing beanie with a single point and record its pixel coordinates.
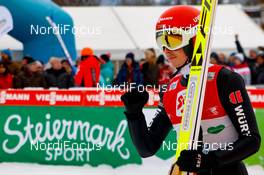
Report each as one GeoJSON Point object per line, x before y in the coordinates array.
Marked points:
{"type": "Point", "coordinates": [239, 57]}
{"type": "Point", "coordinates": [107, 70]}
{"type": "Point", "coordinates": [214, 58]}
{"type": "Point", "coordinates": [87, 52]}
{"type": "Point", "coordinates": [130, 71]}
{"type": "Point", "coordinates": [67, 66]}
{"type": "Point", "coordinates": [88, 73]}
{"type": "Point", "coordinates": [27, 59]}
{"type": "Point", "coordinates": [6, 57]}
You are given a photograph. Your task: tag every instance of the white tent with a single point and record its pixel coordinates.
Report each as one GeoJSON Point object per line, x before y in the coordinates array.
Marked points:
{"type": "Point", "coordinates": [10, 42]}
{"type": "Point", "coordinates": [122, 29]}
{"type": "Point", "coordinates": [230, 20]}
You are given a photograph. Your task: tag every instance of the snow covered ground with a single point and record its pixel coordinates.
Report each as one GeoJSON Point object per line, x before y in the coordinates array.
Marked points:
{"type": "Point", "coordinates": [152, 166]}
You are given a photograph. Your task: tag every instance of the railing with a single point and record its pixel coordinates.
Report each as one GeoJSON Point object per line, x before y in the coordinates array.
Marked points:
{"type": "Point", "coordinates": [91, 97]}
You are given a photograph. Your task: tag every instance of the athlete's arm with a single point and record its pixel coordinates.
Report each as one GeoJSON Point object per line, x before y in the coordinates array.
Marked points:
{"type": "Point", "coordinates": [147, 140]}
{"type": "Point", "coordinates": [236, 102]}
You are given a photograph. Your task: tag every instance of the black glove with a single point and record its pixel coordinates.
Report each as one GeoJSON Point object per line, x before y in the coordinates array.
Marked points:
{"type": "Point", "coordinates": [134, 101]}
{"type": "Point", "coordinates": [196, 161]}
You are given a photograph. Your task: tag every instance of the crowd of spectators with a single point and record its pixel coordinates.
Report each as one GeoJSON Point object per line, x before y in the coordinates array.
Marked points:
{"type": "Point", "coordinates": [91, 71]}
{"type": "Point", "coordinates": [249, 66]}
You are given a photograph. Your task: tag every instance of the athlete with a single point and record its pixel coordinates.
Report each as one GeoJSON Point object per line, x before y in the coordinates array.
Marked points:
{"type": "Point", "coordinates": [228, 127]}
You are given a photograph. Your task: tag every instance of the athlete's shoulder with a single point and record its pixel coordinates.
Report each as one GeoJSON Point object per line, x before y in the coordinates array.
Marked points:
{"type": "Point", "coordinates": [225, 72]}
{"type": "Point", "coordinates": [227, 77]}
{"type": "Point", "coordinates": [215, 68]}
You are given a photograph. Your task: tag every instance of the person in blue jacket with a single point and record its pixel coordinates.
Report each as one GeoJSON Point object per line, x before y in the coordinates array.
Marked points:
{"type": "Point", "coordinates": [130, 71]}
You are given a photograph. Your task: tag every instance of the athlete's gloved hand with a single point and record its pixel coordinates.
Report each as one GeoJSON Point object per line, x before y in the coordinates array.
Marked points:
{"type": "Point", "coordinates": [195, 161]}
{"type": "Point", "coordinates": [134, 101]}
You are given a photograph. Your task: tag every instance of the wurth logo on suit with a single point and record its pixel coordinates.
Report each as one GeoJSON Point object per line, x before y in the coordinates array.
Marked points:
{"type": "Point", "coordinates": [236, 99]}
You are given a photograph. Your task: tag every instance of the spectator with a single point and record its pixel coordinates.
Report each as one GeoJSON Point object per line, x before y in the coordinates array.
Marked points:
{"type": "Point", "coordinates": [13, 67]}
{"type": "Point", "coordinates": [164, 71]}
{"type": "Point", "coordinates": [130, 72]}
{"type": "Point", "coordinates": [251, 61]}
{"type": "Point", "coordinates": [241, 67]}
{"type": "Point", "coordinates": [231, 59]}
{"type": "Point", "coordinates": [57, 76]}
{"type": "Point", "coordinates": [25, 61]}
{"type": "Point", "coordinates": [260, 68]}
{"type": "Point", "coordinates": [6, 79]}
{"type": "Point", "coordinates": [222, 58]}
{"type": "Point", "coordinates": [150, 69]}
{"type": "Point", "coordinates": [67, 66]}
{"type": "Point", "coordinates": [253, 54]}
{"type": "Point", "coordinates": [77, 63]}
{"type": "Point", "coordinates": [88, 73]}
{"type": "Point", "coordinates": [30, 77]}
{"type": "Point", "coordinates": [141, 62]}
{"type": "Point", "coordinates": [107, 70]}
{"type": "Point", "coordinates": [40, 67]}
{"type": "Point", "coordinates": [214, 59]}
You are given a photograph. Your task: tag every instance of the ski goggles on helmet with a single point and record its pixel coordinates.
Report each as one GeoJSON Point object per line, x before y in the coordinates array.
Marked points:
{"type": "Point", "coordinates": [174, 39]}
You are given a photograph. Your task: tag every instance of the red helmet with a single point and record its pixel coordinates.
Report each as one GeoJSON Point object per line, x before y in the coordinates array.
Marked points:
{"type": "Point", "coordinates": [177, 26]}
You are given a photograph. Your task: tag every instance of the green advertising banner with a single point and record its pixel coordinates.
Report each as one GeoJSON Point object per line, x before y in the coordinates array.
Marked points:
{"type": "Point", "coordinates": [68, 136]}
{"type": "Point", "coordinates": [78, 136]}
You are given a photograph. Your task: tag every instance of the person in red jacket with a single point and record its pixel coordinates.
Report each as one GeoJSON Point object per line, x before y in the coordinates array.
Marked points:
{"type": "Point", "coordinates": [6, 78]}
{"type": "Point", "coordinates": [88, 72]}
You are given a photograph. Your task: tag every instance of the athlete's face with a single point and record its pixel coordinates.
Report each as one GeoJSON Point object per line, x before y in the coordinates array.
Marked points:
{"type": "Point", "coordinates": [176, 58]}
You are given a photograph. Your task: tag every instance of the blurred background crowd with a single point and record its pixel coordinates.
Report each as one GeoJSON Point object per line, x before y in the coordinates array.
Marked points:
{"type": "Point", "coordinates": [91, 70]}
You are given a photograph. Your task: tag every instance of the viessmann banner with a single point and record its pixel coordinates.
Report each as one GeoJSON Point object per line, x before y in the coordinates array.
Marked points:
{"type": "Point", "coordinates": [89, 97]}
{"type": "Point", "coordinates": [68, 136]}
{"type": "Point", "coordinates": [77, 128]}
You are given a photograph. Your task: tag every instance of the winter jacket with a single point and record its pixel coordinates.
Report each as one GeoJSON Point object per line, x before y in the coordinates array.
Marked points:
{"type": "Point", "coordinates": [13, 67]}
{"type": "Point", "coordinates": [107, 73]}
{"type": "Point", "coordinates": [6, 81]}
{"type": "Point", "coordinates": [260, 75]}
{"type": "Point", "coordinates": [123, 75]}
{"type": "Point", "coordinates": [88, 73]}
{"type": "Point", "coordinates": [59, 78]}
{"type": "Point", "coordinates": [29, 79]}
